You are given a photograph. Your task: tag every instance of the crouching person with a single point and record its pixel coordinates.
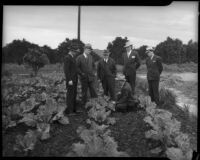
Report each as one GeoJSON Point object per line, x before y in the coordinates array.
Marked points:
{"type": "Point", "coordinates": [106, 72]}
{"type": "Point", "coordinates": [125, 99]}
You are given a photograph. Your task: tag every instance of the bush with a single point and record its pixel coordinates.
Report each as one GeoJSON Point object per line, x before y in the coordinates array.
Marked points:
{"type": "Point", "coordinates": [171, 80]}
{"type": "Point", "coordinates": [167, 97]}
{"type": "Point", "coordinates": [36, 59]}
{"type": "Point", "coordinates": [142, 85]}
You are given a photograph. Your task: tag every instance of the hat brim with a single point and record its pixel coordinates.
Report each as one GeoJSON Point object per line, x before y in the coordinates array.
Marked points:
{"type": "Point", "coordinates": [127, 45]}
{"type": "Point", "coordinates": [106, 53]}
{"type": "Point", "coordinates": [88, 48]}
{"type": "Point", "coordinates": [149, 51]}
{"type": "Point", "coordinates": [77, 51]}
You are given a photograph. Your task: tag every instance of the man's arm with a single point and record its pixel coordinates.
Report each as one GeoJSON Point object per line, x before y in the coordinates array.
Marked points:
{"type": "Point", "coordinates": [123, 69]}
{"type": "Point", "coordinates": [138, 61]}
{"type": "Point", "coordinates": [98, 70]}
{"type": "Point", "coordinates": [78, 64]}
{"type": "Point", "coordinates": [159, 63]}
{"type": "Point", "coordinates": [114, 68]}
{"type": "Point", "coordinates": [93, 64]}
{"type": "Point", "coordinates": [67, 69]}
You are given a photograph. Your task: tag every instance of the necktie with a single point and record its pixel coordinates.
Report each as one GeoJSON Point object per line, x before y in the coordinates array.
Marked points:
{"type": "Point", "coordinates": [128, 54]}
{"type": "Point", "coordinates": [86, 57]}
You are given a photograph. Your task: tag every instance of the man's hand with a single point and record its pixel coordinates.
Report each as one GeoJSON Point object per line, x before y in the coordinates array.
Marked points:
{"type": "Point", "coordinates": [70, 83]}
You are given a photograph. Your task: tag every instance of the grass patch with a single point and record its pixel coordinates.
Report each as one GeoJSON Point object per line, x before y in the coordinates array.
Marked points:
{"type": "Point", "coordinates": [170, 80]}
{"type": "Point", "coordinates": [185, 67]}
{"type": "Point", "coordinates": [141, 86]}
{"type": "Point", "coordinates": [21, 69]}
{"type": "Point", "coordinates": [167, 97]}
{"type": "Point", "coordinates": [190, 89]}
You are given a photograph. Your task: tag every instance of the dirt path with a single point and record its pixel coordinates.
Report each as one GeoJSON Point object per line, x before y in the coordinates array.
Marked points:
{"type": "Point", "coordinates": [182, 99]}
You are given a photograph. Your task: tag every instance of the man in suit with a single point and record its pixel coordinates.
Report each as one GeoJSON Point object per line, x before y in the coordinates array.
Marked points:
{"type": "Point", "coordinates": [86, 70]}
{"type": "Point", "coordinates": [106, 72]}
{"type": "Point", "coordinates": [71, 77]}
{"type": "Point", "coordinates": [131, 64]}
{"type": "Point", "coordinates": [154, 69]}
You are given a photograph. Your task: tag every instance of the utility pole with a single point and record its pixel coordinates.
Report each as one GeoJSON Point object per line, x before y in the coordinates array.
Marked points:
{"type": "Point", "coordinates": [79, 21]}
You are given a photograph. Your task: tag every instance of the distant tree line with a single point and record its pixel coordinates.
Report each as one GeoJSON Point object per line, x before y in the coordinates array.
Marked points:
{"type": "Point", "coordinates": [171, 50]}
{"type": "Point", "coordinates": [15, 51]}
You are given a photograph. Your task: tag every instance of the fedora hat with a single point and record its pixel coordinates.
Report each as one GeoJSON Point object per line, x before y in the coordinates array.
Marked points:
{"type": "Point", "coordinates": [106, 52]}
{"type": "Point", "coordinates": [74, 49]}
{"type": "Point", "coordinates": [120, 77]}
{"type": "Point", "coordinates": [128, 44]}
{"type": "Point", "coordinates": [149, 49]}
{"type": "Point", "coordinates": [88, 46]}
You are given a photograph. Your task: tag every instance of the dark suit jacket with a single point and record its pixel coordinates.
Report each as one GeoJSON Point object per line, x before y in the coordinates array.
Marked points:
{"type": "Point", "coordinates": [106, 69]}
{"type": "Point", "coordinates": [131, 63]}
{"type": "Point", "coordinates": [86, 67]}
{"type": "Point", "coordinates": [154, 67]}
{"type": "Point", "coordinates": [70, 69]}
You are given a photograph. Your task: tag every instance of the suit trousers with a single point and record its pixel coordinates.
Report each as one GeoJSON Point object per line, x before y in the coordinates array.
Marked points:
{"type": "Point", "coordinates": [131, 80]}
{"type": "Point", "coordinates": [71, 98]}
{"type": "Point", "coordinates": [154, 90]}
{"type": "Point", "coordinates": [85, 84]}
{"type": "Point", "coordinates": [108, 84]}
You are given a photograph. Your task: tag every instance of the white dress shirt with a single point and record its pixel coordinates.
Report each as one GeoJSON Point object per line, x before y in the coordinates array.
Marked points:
{"type": "Point", "coordinates": [152, 56]}
{"type": "Point", "coordinates": [106, 60]}
{"type": "Point", "coordinates": [71, 54]}
{"type": "Point", "coordinates": [128, 54]}
{"type": "Point", "coordinates": [85, 55]}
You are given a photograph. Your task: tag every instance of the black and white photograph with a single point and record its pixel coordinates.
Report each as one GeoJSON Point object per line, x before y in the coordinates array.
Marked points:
{"type": "Point", "coordinates": [100, 81]}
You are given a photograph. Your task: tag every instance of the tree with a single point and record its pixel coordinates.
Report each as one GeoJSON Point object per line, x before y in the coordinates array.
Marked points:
{"type": "Point", "coordinates": [192, 51]}
{"type": "Point", "coordinates": [117, 48]}
{"type": "Point", "coordinates": [36, 59]}
{"type": "Point", "coordinates": [51, 54]}
{"type": "Point", "coordinates": [63, 47]}
{"type": "Point", "coordinates": [15, 51]}
{"type": "Point", "coordinates": [171, 51]}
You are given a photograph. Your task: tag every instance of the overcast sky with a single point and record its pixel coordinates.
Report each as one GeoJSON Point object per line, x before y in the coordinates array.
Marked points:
{"type": "Point", "coordinates": [143, 25]}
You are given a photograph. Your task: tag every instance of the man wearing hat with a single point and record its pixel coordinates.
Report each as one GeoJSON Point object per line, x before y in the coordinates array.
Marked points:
{"type": "Point", "coordinates": [86, 70]}
{"type": "Point", "coordinates": [106, 72]}
{"type": "Point", "coordinates": [131, 64]}
{"type": "Point", "coordinates": [154, 69]}
{"type": "Point", "coordinates": [71, 77]}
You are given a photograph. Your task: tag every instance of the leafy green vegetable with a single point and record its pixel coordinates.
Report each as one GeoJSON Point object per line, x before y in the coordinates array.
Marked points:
{"type": "Point", "coordinates": [43, 129]}
{"type": "Point", "coordinates": [166, 129]}
{"type": "Point", "coordinates": [26, 142]}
